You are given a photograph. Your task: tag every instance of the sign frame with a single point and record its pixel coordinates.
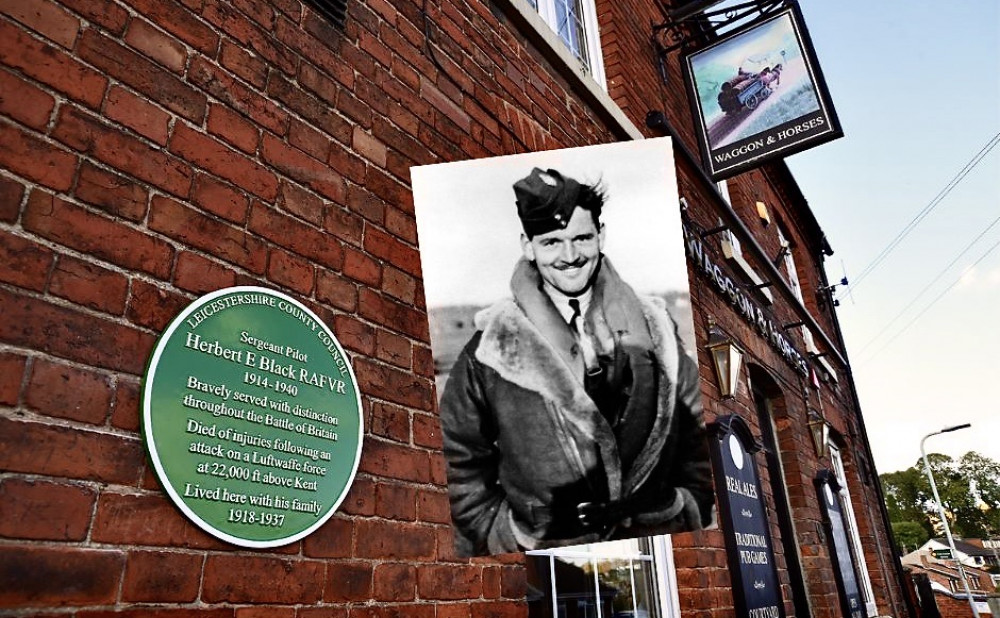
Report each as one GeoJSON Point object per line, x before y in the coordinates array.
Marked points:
{"type": "Point", "coordinates": [746, 586]}
{"type": "Point", "coordinates": [331, 344]}
{"type": "Point", "coordinates": [828, 492]}
{"type": "Point", "coordinates": [784, 134]}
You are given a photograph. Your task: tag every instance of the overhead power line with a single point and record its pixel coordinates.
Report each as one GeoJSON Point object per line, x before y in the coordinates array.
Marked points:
{"type": "Point", "coordinates": [923, 213]}
{"type": "Point", "coordinates": [934, 302]}
{"type": "Point", "coordinates": [929, 285]}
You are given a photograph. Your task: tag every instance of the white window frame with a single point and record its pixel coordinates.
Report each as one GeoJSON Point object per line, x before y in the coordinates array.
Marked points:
{"type": "Point", "coordinates": [660, 557]}
{"type": "Point", "coordinates": [846, 506]}
{"type": "Point", "coordinates": [591, 35]}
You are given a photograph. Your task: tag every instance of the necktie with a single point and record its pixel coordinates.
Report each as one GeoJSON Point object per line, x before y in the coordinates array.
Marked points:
{"type": "Point", "coordinates": [586, 345]}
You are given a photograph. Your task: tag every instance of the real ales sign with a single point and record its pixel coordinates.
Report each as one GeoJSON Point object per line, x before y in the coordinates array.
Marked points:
{"type": "Point", "coordinates": [743, 519]}
{"type": "Point", "coordinates": [252, 417]}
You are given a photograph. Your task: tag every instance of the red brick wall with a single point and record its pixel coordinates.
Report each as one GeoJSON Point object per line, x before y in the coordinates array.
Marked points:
{"type": "Point", "coordinates": [155, 150]}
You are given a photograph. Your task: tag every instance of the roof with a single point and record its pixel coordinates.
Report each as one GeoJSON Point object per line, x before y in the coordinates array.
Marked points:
{"type": "Point", "coordinates": [969, 549]}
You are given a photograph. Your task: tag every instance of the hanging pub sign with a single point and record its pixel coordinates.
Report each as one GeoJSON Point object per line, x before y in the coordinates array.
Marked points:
{"type": "Point", "coordinates": [743, 519]}
{"type": "Point", "coordinates": [840, 552]}
{"type": "Point", "coordinates": [758, 94]}
{"type": "Point", "coordinates": [252, 417]}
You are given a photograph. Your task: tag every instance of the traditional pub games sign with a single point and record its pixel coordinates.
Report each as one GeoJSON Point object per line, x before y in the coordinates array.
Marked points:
{"type": "Point", "coordinates": [252, 417]}
{"type": "Point", "coordinates": [840, 552]}
{"type": "Point", "coordinates": [743, 519]}
{"type": "Point", "coordinates": [758, 94]}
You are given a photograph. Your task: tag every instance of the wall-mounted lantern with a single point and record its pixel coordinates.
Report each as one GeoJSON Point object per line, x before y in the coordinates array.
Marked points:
{"type": "Point", "coordinates": [820, 431]}
{"type": "Point", "coordinates": [727, 359]}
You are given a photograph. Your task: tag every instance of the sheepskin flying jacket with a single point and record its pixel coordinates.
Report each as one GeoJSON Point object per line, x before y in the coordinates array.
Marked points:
{"type": "Point", "coordinates": [526, 446]}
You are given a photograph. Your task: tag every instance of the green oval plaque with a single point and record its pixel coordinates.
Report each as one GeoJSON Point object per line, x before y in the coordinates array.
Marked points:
{"type": "Point", "coordinates": [252, 417]}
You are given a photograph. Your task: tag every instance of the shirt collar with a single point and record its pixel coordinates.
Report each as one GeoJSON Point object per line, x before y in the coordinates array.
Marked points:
{"type": "Point", "coordinates": [561, 301]}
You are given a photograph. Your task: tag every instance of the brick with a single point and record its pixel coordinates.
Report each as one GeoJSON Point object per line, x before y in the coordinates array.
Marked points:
{"type": "Point", "coordinates": [248, 67]}
{"type": "Point", "coordinates": [301, 203]}
{"type": "Point", "coordinates": [347, 163]}
{"type": "Point", "coordinates": [361, 268]}
{"type": "Point", "coordinates": [354, 334]}
{"type": "Point", "coordinates": [154, 307]}
{"type": "Point", "coordinates": [11, 193]}
{"type": "Point", "coordinates": [69, 334]}
{"type": "Point", "coordinates": [150, 520]}
{"type": "Point", "coordinates": [99, 236]}
{"type": "Point", "coordinates": [360, 500]}
{"type": "Point", "coordinates": [44, 511]}
{"type": "Point", "coordinates": [219, 198]}
{"type": "Point", "coordinates": [384, 246]}
{"type": "Point", "coordinates": [179, 21]}
{"type": "Point", "coordinates": [345, 225]}
{"type": "Point", "coordinates": [329, 611]}
{"type": "Point", "coordinates": [67, 392]}
{"type": "Point", "coordinates": [35, 159]}
{"type": "Point", "coordinates": [219, 159]}
{"type": "Point", "coordinates": [449, 582]}
{"type": "Point", "coordinates": [148, 612]}
{"type": "Point", "coordinates": [236, 95]}
{"type": "Point", "coordinates": [110, 192]}
{"type": "Point", "coordinates": [189, 226]}
{"type": "Point", "coordinates": [423, 361]}
{"type": "Point", "coordinates": [310, 108]}
{"type": "Point", "coordinates": [157, 46]}
{"type": "Point", "coordinates": [333, 289]}
{"type": "Point", "coordinates": [401, 224]}
{"type": "Point", "coordinates": [309, 140]}
{"type": "Point", "coordinates": [390, 421]}
{"type": "Point", "coordinates": [395, 582]}
{"type": "Point", "coordinates": [246, 579]}
{"type": "Point", "coordinates": [45, 18]}
{"type": "Point", "coordinates": [104, 13]}
{"type": "Point", "coordinates": [332, 540]}
{"type": "Point", "coordinates": [265, 611]}
{"type": "Point", "coordinates": [24, 102]}
{"type": "Point", "coordinates": [513, 582]}
{"type": "Point", "coordinates": [433, 507]}
{"type": "Point", "coordinates": [125, 410]}
{"type": "Point", "coordinates": [227, 18]}
{"type": "Point", "coordinates": [233, 128]}
{"type": "Point", "coordinates": [295, 236]}
{"type": "Point", "coordinates": [198, 274]}
{"type": "Point", "coordinates": [395, 461]}
{"type": "Point", "coordinates": [391, 540]}
{"type": "Point", "coordinates": [290, 271]}
{"type": "Point", "coordinates": [499, 609]}
{"type": "Point", "coordinates": [393, 501]}
{"type": "Point", "coordinates": [399, 285]}
{"type": "Point", "coordinates": [50, 65]}
{"type": "Point", "coordinates": [427, 431]}
{"type": "Point", "coordinates": [161, 577]}
{"type": "Point", "coordinates": [36, 448]}
{"type": "Point", "coordinates": [43, 576]}
{"type": "Point", "coordinates": [127, 154]}
{"type": "Point", "coordinates": [12, 368]}
{"type": "Point", "coordinates": [145, 76]}
{"type": "Point", "coordinates": [137, 114]}
{"type": "Point", "coordinates": [89, 285]}
{"type": "Point", "coordinates": [393, 315]}
{"type": "Point", "coordinates": [26, 263]}
{"type": "Point", "coordinates": [301, 167]}
{"type": "Point", "coordinates": [393, 349]}
{"type": "Point", "coordinates": [348, 582]}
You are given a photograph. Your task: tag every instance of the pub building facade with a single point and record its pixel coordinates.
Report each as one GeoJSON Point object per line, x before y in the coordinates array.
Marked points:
{"type": "Point", "coordinates": [153, 152]}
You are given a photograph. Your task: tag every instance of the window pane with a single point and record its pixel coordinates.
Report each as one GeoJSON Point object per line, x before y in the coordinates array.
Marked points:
{"type": "Point", "coordinates": [539, 574]}
{"type": "Point", "coordinates": [569, 26]}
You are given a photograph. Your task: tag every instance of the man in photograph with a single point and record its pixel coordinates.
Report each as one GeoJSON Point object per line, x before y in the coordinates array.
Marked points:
{"type": "Point", "coordinates": [572, 415]}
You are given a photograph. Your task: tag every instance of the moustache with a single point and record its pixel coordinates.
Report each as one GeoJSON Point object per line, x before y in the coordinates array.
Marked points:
{"type": "Point", "coordinates": [568, 265]}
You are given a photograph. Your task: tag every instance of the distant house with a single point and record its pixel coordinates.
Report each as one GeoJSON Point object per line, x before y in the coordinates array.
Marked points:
{"type": "Point", "coordinates": [971, 552]}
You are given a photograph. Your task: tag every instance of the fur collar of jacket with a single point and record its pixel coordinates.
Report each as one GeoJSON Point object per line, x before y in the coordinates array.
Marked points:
{"type": "Point", "coordinates": [528, 344]}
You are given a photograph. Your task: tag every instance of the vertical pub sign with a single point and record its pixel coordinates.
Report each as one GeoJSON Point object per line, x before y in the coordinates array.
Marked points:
{"type": "Point", "coordinates": [840, 551]}
{"type": "Point", "coordinates": [743, 519]}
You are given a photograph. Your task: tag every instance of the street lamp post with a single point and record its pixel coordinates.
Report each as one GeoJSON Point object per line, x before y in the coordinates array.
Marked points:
{"type": "Point", "coordinates": [944, 518]}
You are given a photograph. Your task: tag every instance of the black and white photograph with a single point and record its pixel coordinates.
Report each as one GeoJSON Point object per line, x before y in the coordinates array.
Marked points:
{"type": "Point", "coordinates": [560, 319]}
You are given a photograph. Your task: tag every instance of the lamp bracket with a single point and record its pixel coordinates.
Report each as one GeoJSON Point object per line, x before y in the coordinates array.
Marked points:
{"type": "Point", "coordinates": [697, 23]}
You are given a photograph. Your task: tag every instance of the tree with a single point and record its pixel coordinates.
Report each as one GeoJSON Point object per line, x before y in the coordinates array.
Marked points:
{"type": "Point", "coordinates": [965, 485]}
{"type": "Point", "coordinates": [909, 535]}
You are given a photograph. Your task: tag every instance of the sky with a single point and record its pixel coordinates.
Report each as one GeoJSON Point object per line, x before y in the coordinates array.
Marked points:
{"type": "Point", "coordinates": [916, 85]}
